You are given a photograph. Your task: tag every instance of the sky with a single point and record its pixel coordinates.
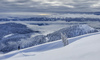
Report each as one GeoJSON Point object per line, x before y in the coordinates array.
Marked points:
{"type": "Point", "coordinates": [49, 6]}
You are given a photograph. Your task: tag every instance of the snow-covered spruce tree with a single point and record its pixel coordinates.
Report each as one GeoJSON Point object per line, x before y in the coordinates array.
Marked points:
{"type": "Point", "coordinates": [64, 39]}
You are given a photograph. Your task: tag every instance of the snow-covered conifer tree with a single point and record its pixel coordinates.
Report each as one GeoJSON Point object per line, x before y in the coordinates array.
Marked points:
{"type": "Point", "coordinates": [64, 39]}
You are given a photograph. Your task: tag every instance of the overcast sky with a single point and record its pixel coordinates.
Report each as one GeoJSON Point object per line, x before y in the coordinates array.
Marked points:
{"type": "Point", "coordinates": [49, 5]}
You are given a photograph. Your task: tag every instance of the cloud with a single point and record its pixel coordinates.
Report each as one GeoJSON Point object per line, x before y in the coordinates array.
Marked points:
{"type": "Point", "coordinates": [96, 5]}
{"type": "Point", "coordinates": [11, 0]}
{"type": "Point", "coordinates": [49, 5]}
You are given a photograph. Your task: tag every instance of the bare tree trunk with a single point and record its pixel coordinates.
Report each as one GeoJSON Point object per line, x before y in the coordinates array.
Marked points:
{"type": "Point", "coordinates": [64, 39]}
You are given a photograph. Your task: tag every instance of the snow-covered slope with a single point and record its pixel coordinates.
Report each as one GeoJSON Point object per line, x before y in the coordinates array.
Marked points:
{"type": "Point", "coordinates": [13, 35]}
{"type": "Point", "coordinates": [71, 31]}
{"type": "Point", "coordinates": [85, 47]}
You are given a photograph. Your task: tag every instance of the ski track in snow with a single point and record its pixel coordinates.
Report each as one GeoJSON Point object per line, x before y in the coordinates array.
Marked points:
{"type": "Point", "coordinates": [42, 47]}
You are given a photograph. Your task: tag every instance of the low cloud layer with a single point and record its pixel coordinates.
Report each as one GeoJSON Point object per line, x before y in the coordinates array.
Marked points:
{"type": "Point", "coordinates": [49, 5]}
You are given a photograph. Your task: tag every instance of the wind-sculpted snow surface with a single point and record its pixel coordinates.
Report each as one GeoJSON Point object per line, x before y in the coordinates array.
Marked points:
{"type": "Point", "coordinates": [71, 32]}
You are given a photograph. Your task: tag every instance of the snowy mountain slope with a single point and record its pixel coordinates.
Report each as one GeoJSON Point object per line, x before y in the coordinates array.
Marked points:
{"type": "Point", "coordinates": [11, 34]}
{"type": "Point", "coordinates": [84, 49]}
{"type": "Point", "coordinates": [71, 31]}
{"type": "Point", "coordinates": [17, 34]}
{"type": "Point", "coordinates": [86, 45]}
